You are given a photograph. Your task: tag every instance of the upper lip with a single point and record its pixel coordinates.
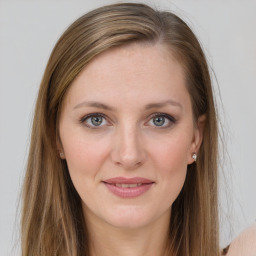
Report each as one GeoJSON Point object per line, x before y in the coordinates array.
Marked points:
{"type": "Point", "coordinates": [123, 180]}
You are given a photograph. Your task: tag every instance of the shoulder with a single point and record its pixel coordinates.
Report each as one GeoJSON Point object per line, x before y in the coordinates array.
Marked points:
{"type": "Point", "coordinates": [244, 244]}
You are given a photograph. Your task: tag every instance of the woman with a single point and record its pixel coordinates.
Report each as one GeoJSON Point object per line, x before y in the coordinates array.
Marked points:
{"type": "Point", "coordinates": [123, 154]}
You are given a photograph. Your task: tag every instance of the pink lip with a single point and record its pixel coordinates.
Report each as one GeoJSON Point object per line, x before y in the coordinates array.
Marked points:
{"type": "Point", "coordinates": [128, 192]}
{"type": "Point", "coordinates": [122, 180]}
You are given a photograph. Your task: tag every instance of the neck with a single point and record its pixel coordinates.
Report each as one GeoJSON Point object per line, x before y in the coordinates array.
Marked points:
{"type": "Point", "coordinates": [107, 240]}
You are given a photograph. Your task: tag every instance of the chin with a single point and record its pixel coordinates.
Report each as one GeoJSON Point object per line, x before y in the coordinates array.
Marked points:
{"type": "Point", "coordinates": [129, 218]}
{"type": "Point", "coordinates": [128, 223]}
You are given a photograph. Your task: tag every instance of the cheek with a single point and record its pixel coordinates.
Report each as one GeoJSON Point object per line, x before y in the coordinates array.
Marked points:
{"type": "Point", "coordinates": [85, 157]}
{"type": "Point", "coordinates": [83, 154]}
{"type": "Point", "coordinates": [171, 165]}
{"type": "Point", "coordinates": [172, 153]}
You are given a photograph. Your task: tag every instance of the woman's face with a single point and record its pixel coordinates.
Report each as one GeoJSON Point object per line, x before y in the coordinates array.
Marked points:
{"type": "Point", "coordinates": [127, 134]}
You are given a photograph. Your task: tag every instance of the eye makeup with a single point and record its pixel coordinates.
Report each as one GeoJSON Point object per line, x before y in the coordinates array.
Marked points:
{"type": "Point", "coordinates": [98, 120]}
{"type": "Point", "coordinates": [162, 120]}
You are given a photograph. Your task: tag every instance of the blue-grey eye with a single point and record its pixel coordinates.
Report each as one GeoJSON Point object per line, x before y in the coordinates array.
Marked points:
{"type": "Point", "coordinates": [96, 120]}
{"type": "Point", "coordinates": [159, 120]}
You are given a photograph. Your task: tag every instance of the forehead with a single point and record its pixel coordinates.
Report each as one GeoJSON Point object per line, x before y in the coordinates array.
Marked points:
{"type": "Point", "coordinates": [133, 59]}
{"type": "Point", "coordinates": [143, 71]}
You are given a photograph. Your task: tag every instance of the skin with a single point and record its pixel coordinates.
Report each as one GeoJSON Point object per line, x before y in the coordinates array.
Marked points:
{"type": "Point", "coordinates": [128, 144]}
{"type": "Point", "coordinates": [245, 243]}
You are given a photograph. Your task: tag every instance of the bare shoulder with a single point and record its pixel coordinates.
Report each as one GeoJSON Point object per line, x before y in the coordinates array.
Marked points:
{"type": "Point", "coordinates": [244, 244]}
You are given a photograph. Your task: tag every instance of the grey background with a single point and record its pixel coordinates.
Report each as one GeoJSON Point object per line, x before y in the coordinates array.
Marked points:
{"type": "Point", "coordinates": [226, 29]}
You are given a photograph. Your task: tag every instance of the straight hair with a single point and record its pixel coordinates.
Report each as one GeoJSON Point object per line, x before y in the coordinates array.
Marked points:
{"type": "Point", "coordinates": [52, 221]}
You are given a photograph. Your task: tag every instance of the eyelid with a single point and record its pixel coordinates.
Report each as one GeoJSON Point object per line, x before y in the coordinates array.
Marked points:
{"type": "Point", "coordinates": [83, 119]}
{"type": "Point", "coordinates": [158, 114]}
{"type": "Point", "coordinates": [170, 117]}
{"type": "Point", "coordinates": [165, 115]}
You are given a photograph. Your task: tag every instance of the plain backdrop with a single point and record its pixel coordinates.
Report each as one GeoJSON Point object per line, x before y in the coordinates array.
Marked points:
{"type": "Point", "coordinates": [226, 30]}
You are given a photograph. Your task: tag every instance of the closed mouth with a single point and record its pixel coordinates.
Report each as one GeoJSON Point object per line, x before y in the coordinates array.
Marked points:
{"type": "Point", "coordinates": [125, 185]}
{"type": "Point", "coordinates": [122, 181]}
{"type": "Point", "coordinates": [128, 187]}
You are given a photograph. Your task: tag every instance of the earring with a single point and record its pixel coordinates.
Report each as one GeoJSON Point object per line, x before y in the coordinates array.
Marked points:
{"type": "Point", "coordinates": [194, 156]}
{"type": "Point", "coordinates": [62, 155]}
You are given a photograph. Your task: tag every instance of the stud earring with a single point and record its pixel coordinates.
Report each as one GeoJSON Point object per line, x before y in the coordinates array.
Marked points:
{"type": "Point", "coordinates": [194, 156]}
{"type": "Point", "coordinates": [62, 155]}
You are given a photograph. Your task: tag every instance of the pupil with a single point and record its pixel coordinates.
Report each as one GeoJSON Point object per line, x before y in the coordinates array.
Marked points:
{"type": "Point", "coordinates": [159, 121]}
{"type": "Point", "coordinates": [96, 120]}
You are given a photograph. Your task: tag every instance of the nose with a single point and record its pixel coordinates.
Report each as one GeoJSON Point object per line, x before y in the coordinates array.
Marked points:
{"type": "Point", "coordinates": [128, 149]}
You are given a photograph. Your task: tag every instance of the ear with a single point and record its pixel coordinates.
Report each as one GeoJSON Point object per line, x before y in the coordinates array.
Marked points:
{"type": "Point", "coordinates": [197, 138]}
{"type": "Point", "coordinates": [60, 148]}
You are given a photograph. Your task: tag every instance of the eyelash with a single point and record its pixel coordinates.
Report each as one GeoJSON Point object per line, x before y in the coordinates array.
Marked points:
{"type": "Point", "coordinates": [84, 118]}
{"type": "Point", "coordinates": [168, 117]}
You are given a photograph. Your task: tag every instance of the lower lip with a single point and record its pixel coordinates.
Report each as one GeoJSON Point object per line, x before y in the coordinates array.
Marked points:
{"type": "Point", "coordinates": [128, 192]}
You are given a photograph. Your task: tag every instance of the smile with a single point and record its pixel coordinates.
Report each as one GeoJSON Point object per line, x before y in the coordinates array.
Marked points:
{"type": "Point", "coordinates": [128, 187]}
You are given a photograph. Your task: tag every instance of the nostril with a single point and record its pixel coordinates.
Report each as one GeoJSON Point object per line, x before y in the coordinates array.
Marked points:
{"type": "Point", "coordinates": [129, 165]}
{"type": "Point", "coordinates": [138, 164]}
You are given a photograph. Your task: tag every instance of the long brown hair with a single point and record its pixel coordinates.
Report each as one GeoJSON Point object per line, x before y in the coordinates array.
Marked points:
{"type": "Point", "coordinates": [52, 219]}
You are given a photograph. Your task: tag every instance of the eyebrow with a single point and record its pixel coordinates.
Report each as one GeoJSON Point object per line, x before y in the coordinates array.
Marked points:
{"type": "Point", "coordinates": [163, 104]}
{"type": "Point", "coordinates": [93, 104]}
{"type": "Point", "coordinates": [106, 107]}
